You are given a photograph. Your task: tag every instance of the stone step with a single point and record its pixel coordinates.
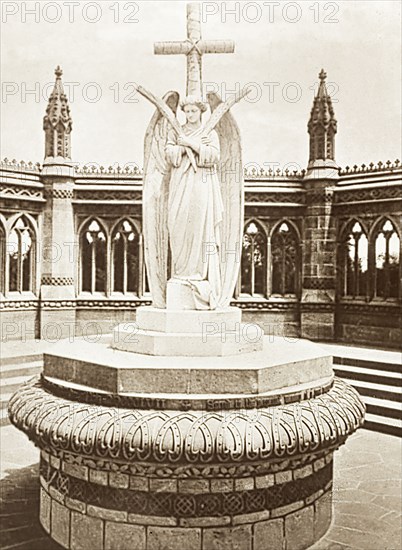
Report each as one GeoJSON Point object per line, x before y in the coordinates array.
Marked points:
{"type": "Point", "coordinates": [9, 385]}
{"type": "Point", "coordinates": [379, 391]}
{"type": "Point", "coordinates": [369, 375]}
{"type": "Point", "coordinates": [4, 420]}
{"type": "Point", "coordinates": [20, 369]}
{"type": "Point", "coordinates": [383, 407]}
{"type": "Point", "coordinates": [16, 368]}
{"type": "Point", "coordinates": [376, 375]}
{"type": "Point", "coordinates": [19, 358]}
{"type": "Point", "coordinates": [391, 365]}
{"type": "Point", "coordinates": [4, 399]}
{"type": "Point", "coordinates": [378, 423]}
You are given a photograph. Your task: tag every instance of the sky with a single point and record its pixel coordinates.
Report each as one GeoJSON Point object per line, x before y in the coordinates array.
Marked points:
{"type": "Point", "coordinates": [280, 47]}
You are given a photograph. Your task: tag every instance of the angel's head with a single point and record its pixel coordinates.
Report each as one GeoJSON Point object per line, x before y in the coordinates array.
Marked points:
{"type": "Point", "coordinates": [193, 108]}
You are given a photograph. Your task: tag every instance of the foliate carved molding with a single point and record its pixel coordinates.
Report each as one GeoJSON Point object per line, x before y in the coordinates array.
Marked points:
{"type": "Point", "coordinates": [366, 195]}
{"type": "Point", "coordinates": [57, 281]}
{"type": "Point", "coordinates": [191, 436]}
{"type": "Point", "coordinates": [290, 198]}
{"type": "Point", "coordinates": [58, 304]}
{"type": "Point", "coordinates": [108, 195]}
{"type": "Point", "coordinates": [118, 304]}
{"type": "Point", "coordinates": [189, 471]}
{"type": "Point", "coordinates": [10, 305]}
{"type": "Point", "coordinates": [82, 304]}
{"type": "Point", "coordinates": [266, 305]}
{"type": "Point", "coordinates": [22, 193]}
{"type": "Point", "coordinates": [59, 193]}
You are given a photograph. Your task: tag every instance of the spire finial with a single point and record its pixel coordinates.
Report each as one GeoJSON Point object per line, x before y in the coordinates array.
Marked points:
{"type": "Point", "coordinates": [58, 72]}
{"type": "Point", "coordinates": [322, 125]}
{"type": "Point", "coordinates": [57, 122]}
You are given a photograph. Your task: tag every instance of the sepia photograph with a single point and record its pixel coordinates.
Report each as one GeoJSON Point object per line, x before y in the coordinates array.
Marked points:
{"type": "Point", "coordinates": [200, 275]}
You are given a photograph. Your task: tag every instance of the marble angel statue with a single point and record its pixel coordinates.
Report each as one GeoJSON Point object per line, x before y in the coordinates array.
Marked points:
{"type": "Point", "coordinates": [192, 201]}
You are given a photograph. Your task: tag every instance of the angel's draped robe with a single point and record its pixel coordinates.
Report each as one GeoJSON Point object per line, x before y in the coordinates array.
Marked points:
{"type": "Point", "coordinates": [195, 212]}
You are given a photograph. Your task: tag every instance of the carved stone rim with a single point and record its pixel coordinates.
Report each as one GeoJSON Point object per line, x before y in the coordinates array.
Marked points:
{"type": "Point", "coordinates": [187, 436]}
{"type": "Point", "coordinates": [191, 402]}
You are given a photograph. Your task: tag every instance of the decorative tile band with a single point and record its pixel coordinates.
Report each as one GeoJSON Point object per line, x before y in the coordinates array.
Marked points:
{"type": "Point", "coordinates": [57, 281]}
{"type": "Point", "coordinates": [59, 193]}
{"type": "Point", "coordinates": [157, 403]}
{"type": "Point", "coordinates": [316, 283]}
{"type": "Point", "coordinates": [188, 505]}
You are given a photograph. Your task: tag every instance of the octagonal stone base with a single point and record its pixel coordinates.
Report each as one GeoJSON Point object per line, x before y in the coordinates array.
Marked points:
{"type": "Point", "coordinates": [281, 367]}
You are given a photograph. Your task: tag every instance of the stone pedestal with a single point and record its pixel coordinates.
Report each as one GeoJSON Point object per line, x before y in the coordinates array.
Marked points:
{"type": "Point", "coordinates": [179, 295]}
{"type": "Point", "coordinates": [202, 333]}
{"type": "Point", "coordinates": [175, 452]}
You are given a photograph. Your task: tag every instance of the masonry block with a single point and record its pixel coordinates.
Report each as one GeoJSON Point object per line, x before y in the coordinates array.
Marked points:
{"type": "Point", "coordinates": [60, 525]}
{"type": "Point", "coordinates": [86, 532]}
{"type": "Point", "coordinates": [124, 537]}
{"type": "Point", "coordinates": [268, 535]}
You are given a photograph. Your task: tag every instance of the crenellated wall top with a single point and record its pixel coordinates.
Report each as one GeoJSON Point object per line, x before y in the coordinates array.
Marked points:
{"type": "Point", "coordinates": [132, 169]}
{"type": "Point", "coordinates": [372, 167]}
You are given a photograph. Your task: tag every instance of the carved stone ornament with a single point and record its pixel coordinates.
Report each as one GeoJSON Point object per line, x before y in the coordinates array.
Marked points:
{"type": "Point", "coordinates": [187, 436]}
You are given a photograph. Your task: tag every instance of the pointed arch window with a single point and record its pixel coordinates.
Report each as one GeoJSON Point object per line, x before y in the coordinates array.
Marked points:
{"type": "Point", "coordinates": [284, 252]}
{"type": "Point", "coordinates": [354, 252]}
{"type": "Point", "coordinates": [21, 250]}
{"type": "Point", "coordinates": [126, 258]}
{"type": "Point", "coordinates": [387, 261]}
{"type": "Point", "coordinates": [254, 260]}
{"type": "Point", "coordinates": [93, 258]}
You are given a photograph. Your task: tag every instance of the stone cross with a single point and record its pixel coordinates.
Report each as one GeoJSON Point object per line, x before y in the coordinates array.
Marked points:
{"type": "Point", "coordinates": [194, 48]}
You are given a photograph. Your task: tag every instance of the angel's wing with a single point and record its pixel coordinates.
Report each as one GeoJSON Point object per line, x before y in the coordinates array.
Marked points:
{"type": "Point", "coordinates": [155, 202]}
{"type": "Point", "coordinates": [231, 178]}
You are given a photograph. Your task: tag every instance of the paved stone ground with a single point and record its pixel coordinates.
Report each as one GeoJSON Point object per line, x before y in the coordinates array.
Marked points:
{"type": "Point", "coordinates": [367, 495]}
